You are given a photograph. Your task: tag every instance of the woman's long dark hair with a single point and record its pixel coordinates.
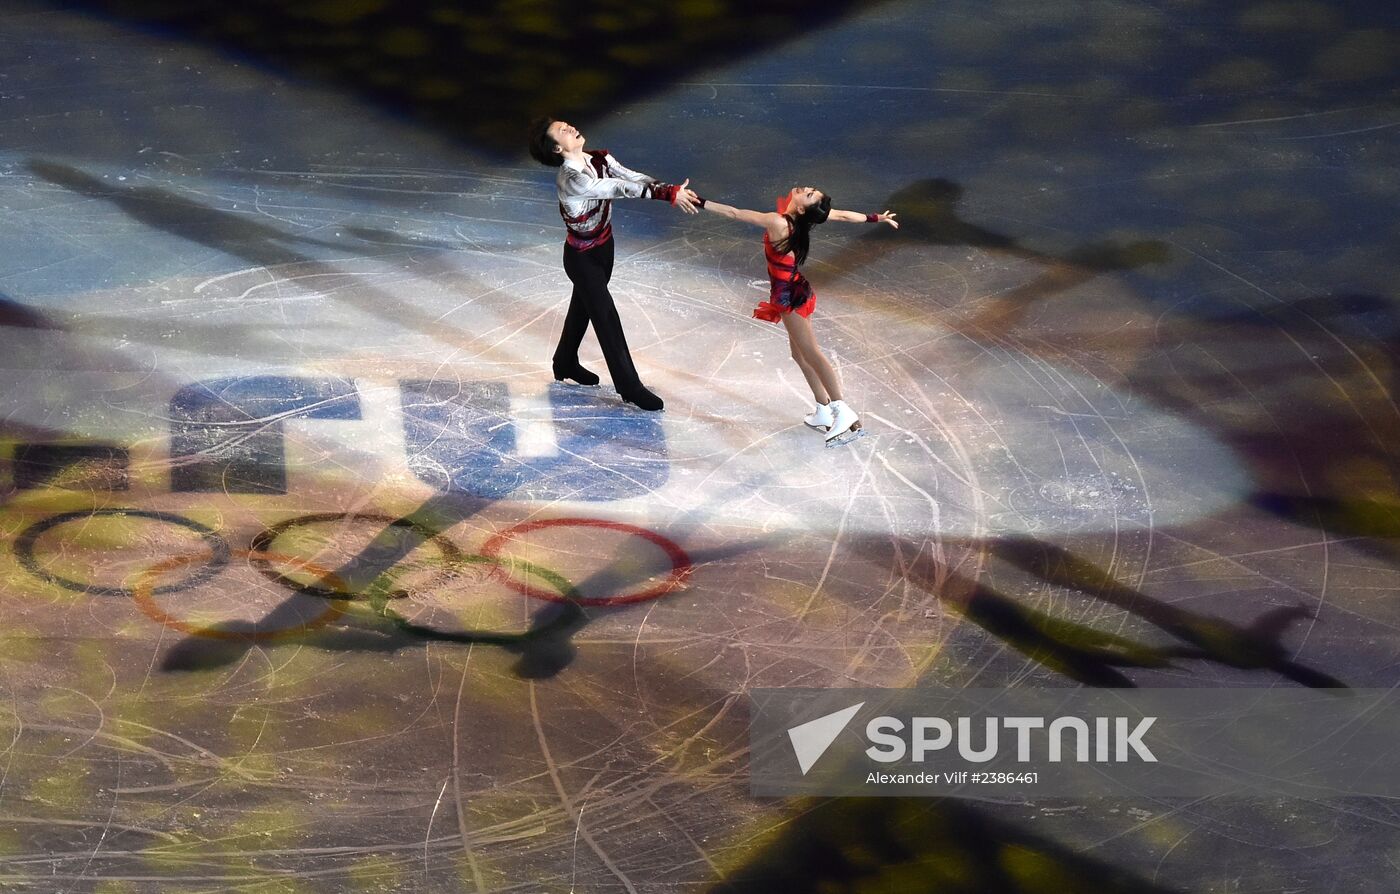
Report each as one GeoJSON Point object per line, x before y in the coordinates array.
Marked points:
{"type": "Point", "coordinates": [799, 239]}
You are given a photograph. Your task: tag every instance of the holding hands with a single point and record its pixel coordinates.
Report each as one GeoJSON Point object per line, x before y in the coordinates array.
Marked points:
{"type": "Point", "coordinates": [686, 199]}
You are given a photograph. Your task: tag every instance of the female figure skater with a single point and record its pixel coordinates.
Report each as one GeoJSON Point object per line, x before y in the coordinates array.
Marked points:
{"type": "Point", "coordinates": [791, 299]}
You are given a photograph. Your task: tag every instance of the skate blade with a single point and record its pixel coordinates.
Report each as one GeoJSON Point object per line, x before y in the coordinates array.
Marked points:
{"type": "Point", "coordinates": [845, 438]}
{"type": "Point", "coordinates": [820, 428]}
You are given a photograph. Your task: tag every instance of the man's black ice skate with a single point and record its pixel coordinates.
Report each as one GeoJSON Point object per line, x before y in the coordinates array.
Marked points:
{"type": "Point", "coordinates": [574, 372]}
{"type": "Point", "coordinates": [643, 398]}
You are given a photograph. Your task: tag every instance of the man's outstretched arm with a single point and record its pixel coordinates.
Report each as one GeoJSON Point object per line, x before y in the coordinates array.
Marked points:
{"type": "Point", "coordinates": [681, 196]}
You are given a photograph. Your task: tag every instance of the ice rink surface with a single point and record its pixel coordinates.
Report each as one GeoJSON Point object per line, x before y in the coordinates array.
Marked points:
{"type": "Point", "coordinates": [1129, 369]}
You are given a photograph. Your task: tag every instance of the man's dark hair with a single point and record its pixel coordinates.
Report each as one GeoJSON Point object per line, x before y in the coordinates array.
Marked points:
{"type": "Point", "coordinates": [542, 145]}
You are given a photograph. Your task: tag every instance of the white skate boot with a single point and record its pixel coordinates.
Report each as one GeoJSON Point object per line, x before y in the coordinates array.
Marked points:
{"type": "Point", "coordinates": [820, 418]}
{"type": "Point", "coordinates": [845, 425]}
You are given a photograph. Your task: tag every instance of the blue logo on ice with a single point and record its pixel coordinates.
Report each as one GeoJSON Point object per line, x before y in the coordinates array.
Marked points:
{"type": "Point", "coordinates": [810, 740]}
{"type": "Point", "coordinates": [461, 438]}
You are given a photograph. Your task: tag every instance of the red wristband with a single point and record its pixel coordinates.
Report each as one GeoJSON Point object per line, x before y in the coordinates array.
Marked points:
{"type": "Point", "coordinates": [872, 218]}
{"type": "Point", "coordinates": [665, 192]}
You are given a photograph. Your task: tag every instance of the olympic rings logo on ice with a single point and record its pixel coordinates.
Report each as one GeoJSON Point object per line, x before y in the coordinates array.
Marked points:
{"type": "Point", "coordinates": [146, 586]}
{"type": "Point", "coordinates": [143, 594]}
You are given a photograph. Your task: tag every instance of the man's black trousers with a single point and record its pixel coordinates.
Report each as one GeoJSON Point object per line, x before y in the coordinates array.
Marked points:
{"type": "Point", "coordinates": [590, 271]}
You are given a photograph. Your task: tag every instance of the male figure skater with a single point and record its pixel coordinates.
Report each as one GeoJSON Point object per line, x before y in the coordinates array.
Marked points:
{"type": "Point", "coordinates": [587, 183]}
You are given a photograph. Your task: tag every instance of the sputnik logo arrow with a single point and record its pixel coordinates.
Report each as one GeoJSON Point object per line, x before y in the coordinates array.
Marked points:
{"type": "Point", "coordinates": [810, 740]}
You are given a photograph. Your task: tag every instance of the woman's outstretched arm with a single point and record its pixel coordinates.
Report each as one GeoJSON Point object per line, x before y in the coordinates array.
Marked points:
{"type": "Point", "coordinates": [857, 217]}
{"type": "Point", "coordinates": [765, 219]}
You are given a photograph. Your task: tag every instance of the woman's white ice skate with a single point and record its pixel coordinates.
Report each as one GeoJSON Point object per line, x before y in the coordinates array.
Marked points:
{"type": "Point", "coordinates": [845, 425]}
